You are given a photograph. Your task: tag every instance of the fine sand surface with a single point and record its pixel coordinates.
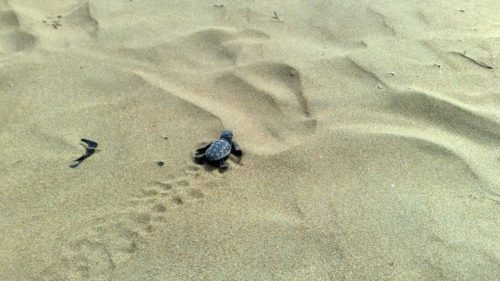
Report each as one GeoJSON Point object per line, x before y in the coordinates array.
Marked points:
{"type": "Point", "coordinates": [371, 132]}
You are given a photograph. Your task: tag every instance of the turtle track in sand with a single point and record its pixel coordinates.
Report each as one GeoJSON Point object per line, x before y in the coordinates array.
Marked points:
{"type": "Point", "coordinates": [112, 241]}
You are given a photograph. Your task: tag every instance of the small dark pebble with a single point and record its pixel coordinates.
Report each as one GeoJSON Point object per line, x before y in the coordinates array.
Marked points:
{"type": "Point", "coordinates": [160, 163]}
{"type": "Point", "coordinates": [165, 138]}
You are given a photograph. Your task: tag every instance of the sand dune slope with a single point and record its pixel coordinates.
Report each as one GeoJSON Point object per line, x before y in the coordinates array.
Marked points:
{"type": "Point", "coordinates": [371, 132]}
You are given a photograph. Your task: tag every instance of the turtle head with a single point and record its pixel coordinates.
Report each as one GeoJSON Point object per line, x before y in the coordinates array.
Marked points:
{"type": "Point", "coordinates": [227, 135]}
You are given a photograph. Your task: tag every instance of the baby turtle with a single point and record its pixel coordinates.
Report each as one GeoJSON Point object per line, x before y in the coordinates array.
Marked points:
{"type": "Point", "coordinates": [217, 152]}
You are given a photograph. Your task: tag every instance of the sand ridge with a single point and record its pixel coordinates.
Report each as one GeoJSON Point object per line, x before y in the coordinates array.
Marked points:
{"type": "Point", "coordinates": [371, 134]}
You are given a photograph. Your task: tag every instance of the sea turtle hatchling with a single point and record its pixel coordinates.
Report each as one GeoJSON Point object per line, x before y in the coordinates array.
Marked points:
{"type": "Point", "coordinates": [217, 152]}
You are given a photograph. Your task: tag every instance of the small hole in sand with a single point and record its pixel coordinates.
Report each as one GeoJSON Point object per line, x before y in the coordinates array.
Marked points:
{"type": "Point", "coordinates": [160, 208]}
{"type": "Point", "coordinates": [149, 192]}
{"type": "Point", "coordinates": [196, 193]}
{"type": "Point", "coordinates": [183, 183]}
{"type": "Point", "coordinates": [165, 186]}
{"type": "Point", "coordinates": [177, 200]}
{"type": "Point", "coordinates": [133, 247]}
{"type": "Point", "coordinates": [142, 218]}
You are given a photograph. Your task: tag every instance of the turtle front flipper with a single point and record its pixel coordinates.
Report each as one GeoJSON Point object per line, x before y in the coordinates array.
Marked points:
{"type": "Point", "coordinates": [236, 149]}
{"type": "Point", "coordinates": [199, 153]}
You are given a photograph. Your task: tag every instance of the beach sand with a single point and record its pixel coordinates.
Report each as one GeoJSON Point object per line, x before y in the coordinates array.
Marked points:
{"type": "Point", "coordinates": [370, 131]}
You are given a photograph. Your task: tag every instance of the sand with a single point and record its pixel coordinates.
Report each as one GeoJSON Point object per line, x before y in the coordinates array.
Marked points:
{"type": "Point", "coordinates": [371, 133]}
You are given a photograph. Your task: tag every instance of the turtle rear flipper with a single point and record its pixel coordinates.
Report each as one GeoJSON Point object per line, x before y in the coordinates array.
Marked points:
{"type": "Point", "coordinates": [223, 165]}
{"type": "Point", "coordinates": [199, 153]}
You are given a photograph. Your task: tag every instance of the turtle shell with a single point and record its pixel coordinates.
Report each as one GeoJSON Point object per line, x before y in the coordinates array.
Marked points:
{"type": "Point", "coordinates": [218, 150]}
